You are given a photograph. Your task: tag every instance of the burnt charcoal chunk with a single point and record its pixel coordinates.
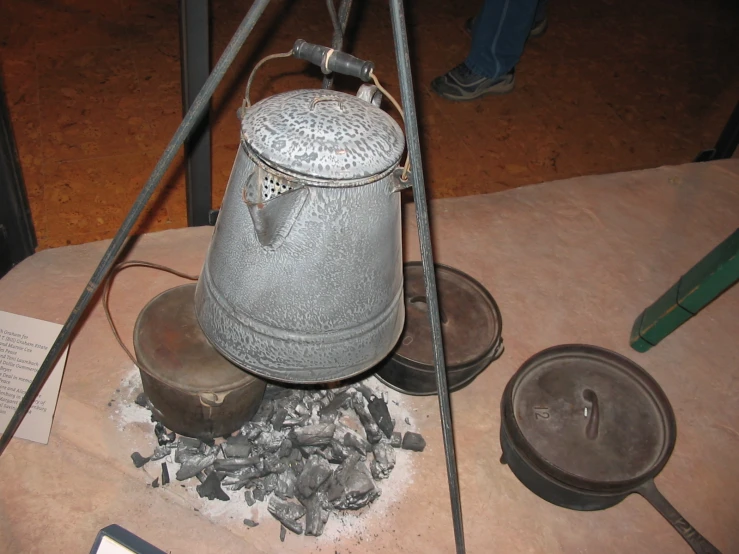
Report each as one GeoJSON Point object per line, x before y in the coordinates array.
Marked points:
{"type": "Point", "coordinates": [250, 522]}
{"type": "Point", "coordinates": [142, 401]}
{"type": "Point", "coordinates": [287, 513]}
{"type": "Point", "coordinates": [279, 418]}
{"type": "Point", "coordinates": [286, 447]}
{"type": "Point", "coordinates": [160, 452]}
{"type": "Point", "coordinates": [283, 533]}
{"type": "Point", "coordinates": [358, 488]}
{"type": "Point", "coordinates": [338, 479]}
{"type": "Point", "coordinates": [296, 421]}
{"type": "Point", "coordinates": [315, 472]}
{"type": "Point", "coordinates": [264, 413]}
{"type": "Point", "coordinates": [308, 451]}
{"type": "Point", "coordinates": [269, 483]}
{"type": "Point", "coordinates": [315, 516]}
{"type": "Point", "coordinates": [356, 442]}
{"type": "Point", "coordinates": [181, 455]}
{"type": "Point", "coordinates": [328, 417]}
{"type": "Point", "coordinates": [413, 441]}
{"type": "Point", "coordinates": [314, 435]}
{"type": "Point", "coordinates": [259, 495]}
{"type": "Point", "coordinates": [297, 465]}
{"type": "Point", "coordinates": [162, 436]}
{"type": "Point", "coordinates": [138, 459]}
{"type": "Point", "coordinates": [238, 439]}
{"type": "Point", "coordinates": [364, 390]}
{"type": "Point", "coordinates": [244, 476]}
{"type": "Point", "coordinates": [384, 460]}
{"type": "Point", "coordinates": [194, 465]}
{"type": "Point", "coordinates": [155, 483]}
{"type": "Point", "coordinates": [330, 411]}
{"type": "Point", "coordinates": [249, 497]}
{"type": "Point", "coordinates": [270, 440]}
{"type": "Point", "coordinates": [286, 483]}
{"type": "Point", "coordinates": [188, 442]}
{"type": "Point", "coordinates": [273, 464]}
{"type": "Point", "coordinates": [338, 401]}
{"type": "Point", "coordinates": [165, 474]}
{"type": "Point", "coordinates": [211, 488]}
{"type": "Point", "coordinates": [235, 464]}
{"type": "Point", "coordinates": [370, 426]}
{"type": "Point", "coordinates": [336, 452]}
{"type": "Point", "coordinates": [251, 430]}
{"type": "Point", "coordinates": [379, 412]}
{"type": "Point", "coordinates": [396, 440]}
{"type": "Point", "coordinates": [231, 450]}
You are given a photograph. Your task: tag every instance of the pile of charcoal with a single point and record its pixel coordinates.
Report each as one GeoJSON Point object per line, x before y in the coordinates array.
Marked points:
{"type": "Point", "coordinates": [306, 453]}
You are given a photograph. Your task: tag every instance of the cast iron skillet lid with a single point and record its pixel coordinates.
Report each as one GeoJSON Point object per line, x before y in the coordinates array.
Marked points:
{"type": "Point", "coordinates": [589, 417]}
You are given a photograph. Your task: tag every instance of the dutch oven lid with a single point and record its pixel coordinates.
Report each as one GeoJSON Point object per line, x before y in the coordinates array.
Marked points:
{"type": "Point", "coordinates": [169, 342]}
{"type": "Point", "coordinates": [589, 417]}
{"type": "Point", "coordinates": [471, 325]}
{"type": "Point", "coordinates": [323, 134]}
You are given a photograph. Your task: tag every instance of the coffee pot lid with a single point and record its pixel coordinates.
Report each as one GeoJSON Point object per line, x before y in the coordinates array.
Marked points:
{"type": "Point", "coordinates": [323, 135]}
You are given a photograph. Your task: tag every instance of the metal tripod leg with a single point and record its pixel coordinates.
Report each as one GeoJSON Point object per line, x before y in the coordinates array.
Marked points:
{"type": "Point", "coordinates": [424, 237]}
{"type": "Point", "coordinates": [193, 115]}
{"type": "Point", "coordinates": [339, 22]}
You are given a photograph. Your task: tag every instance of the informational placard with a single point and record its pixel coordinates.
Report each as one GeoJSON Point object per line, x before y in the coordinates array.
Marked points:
{"type": "Point", "coordinates": [24, 343]}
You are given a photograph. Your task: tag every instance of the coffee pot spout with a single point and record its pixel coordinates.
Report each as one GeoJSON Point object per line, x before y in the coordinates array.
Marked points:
{"type": "Point", "coordinates": [273, 206]}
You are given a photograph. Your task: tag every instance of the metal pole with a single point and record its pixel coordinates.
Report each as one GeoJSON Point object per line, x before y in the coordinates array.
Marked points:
{"type": "Point", "coordinates": [339, 23]}
{"type": "Point", "coordinates": [424, 237]}
{"type": "Point", "coordinates": [197, 109]}
{"type": "Point", "coordinates": [195, 66]}
{"type": "Point", "coordinates": [17, 237]}
{"type": "Point", "coordinates": [727, 143]}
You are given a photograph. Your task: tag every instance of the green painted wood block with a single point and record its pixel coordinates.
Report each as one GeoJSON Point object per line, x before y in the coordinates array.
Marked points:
{"type": "Point", "coordinates": [705, 281]}
{"type": "Point", "coordinates": [638, 343]}
{"type": "Point", "coordinates": [711, 276]}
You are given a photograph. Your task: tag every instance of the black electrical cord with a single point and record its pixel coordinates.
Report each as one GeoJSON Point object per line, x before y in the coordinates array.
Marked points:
{"type": "Point", "coordinates": [106, 300]}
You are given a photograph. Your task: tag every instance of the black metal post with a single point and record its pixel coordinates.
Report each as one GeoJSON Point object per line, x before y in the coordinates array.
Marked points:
{"type": "Point", "coordinates": [198, 108]}
{"type": "Point", "coordinates": [727, 143]}
{"type": "Point", "coordinates": [424, 237]}
{"type": "Point", "coordinates": [195, 67]}
{"type": "Point", "coordinates": [17, 238]}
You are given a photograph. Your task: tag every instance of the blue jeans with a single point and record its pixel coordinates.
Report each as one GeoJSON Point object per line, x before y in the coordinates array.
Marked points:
{"type": "Point", "coordinates": [499, 34]}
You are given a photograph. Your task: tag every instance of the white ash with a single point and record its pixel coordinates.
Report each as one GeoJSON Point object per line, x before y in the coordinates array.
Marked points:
{"type": "Point", "coordinates": [341, 523]}
{"type": "Point", "coordinates": [125, 411]}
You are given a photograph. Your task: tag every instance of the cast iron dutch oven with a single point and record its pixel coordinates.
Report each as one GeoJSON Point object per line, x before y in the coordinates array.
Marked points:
{"type": "Point", "coordinates": [193, 390]}
{"type": "Point", "coordinates": [471, 326]}
{"type": "Point", "coordinates": [583, 427]}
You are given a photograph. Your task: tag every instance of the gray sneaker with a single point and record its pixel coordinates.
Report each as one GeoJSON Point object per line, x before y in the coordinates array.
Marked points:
{"type": "Point", "coordinates": [539, 28]}
{"type": "Point", "coordinates": [461, 83]}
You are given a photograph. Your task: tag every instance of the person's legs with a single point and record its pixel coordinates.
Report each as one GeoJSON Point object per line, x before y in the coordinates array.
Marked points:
{"type": "Point", "coordinates": [541, 20]}
{"type": "Point", "coordinates": [499, 35]}
{"type": "Point", "coordinates": [541, 11]}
